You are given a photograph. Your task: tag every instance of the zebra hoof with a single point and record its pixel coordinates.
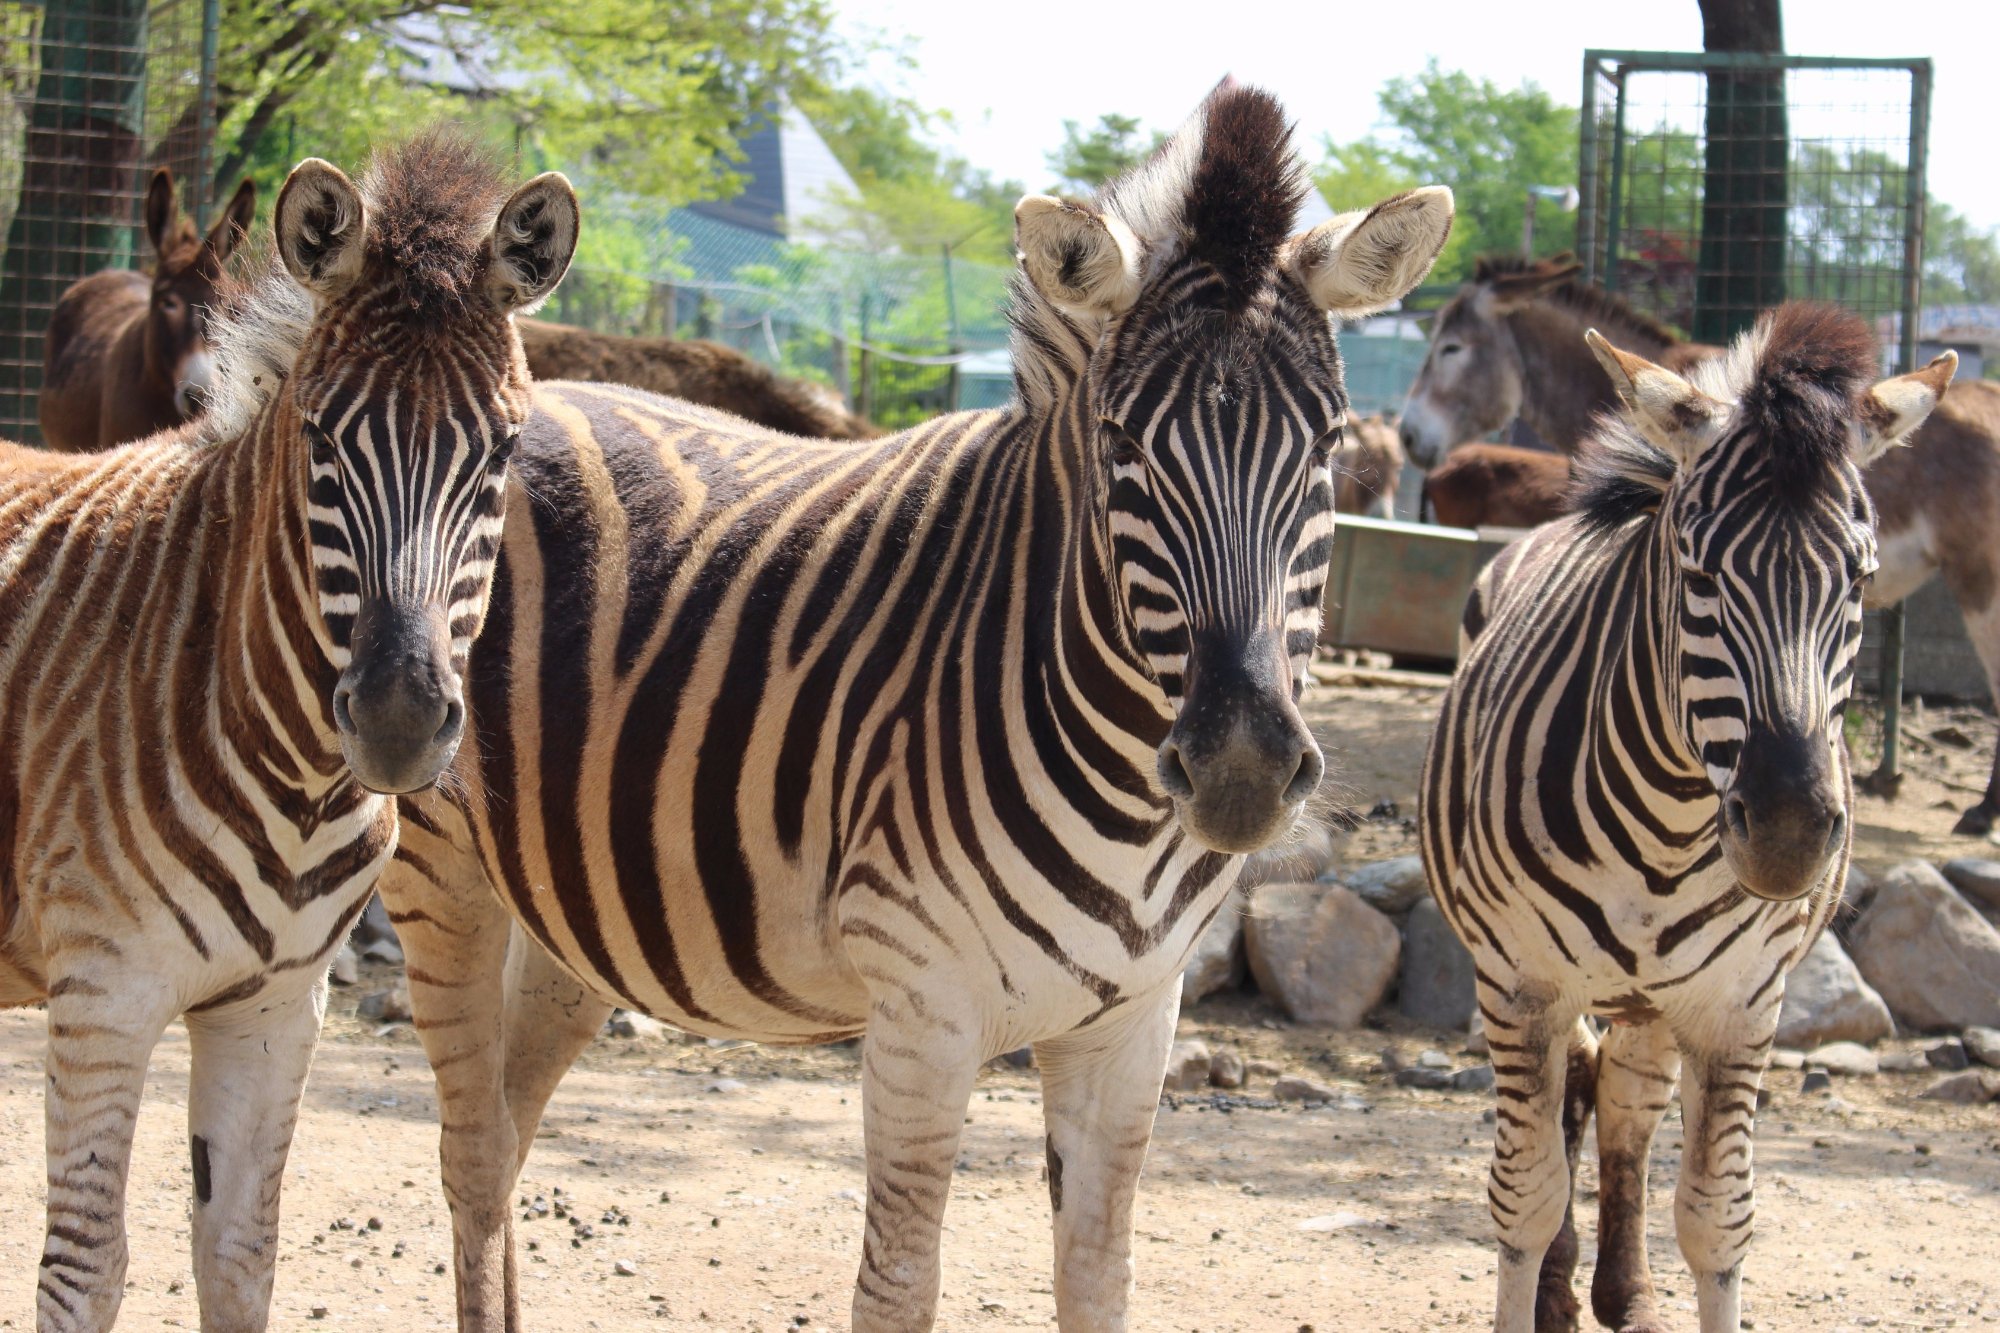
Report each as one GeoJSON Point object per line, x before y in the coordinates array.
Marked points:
{"type": "Point", "coordinates": [1556, 1308]}
{"type": "Point", "coordinates": [1976, 822]}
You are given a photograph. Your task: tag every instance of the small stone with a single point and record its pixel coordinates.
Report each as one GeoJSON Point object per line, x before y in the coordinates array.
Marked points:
{"type": "Point", "coordinates": [1389, 1061]}
{"type": "Point", "coordinates": [1972, 1087]}
{"type": "Point", "coordinates": [1333, 1222]}
{"type": "Point", "coordinates": [346, 969]}
{"type": "Point", "coordinates": [1225, 1068]}
{"type": "Point", "coordinates": [1187, 1066]}
{"type": "Point", "coordinates": [729, 1086]}
{"type": "Point", "coordinates": [1784, 1059]}
{"type": "Point", "coordinates": [1902, 1062]}
{"type": "Point", "coordinates": [1433, 1060]}
{"type": "Point", "coordinates": [1816, 1080]}
{"type": "Point", "coordinates": [1262, 1068]}
{"type": "Point", "coordinates": [1294, 1088]}
{"type": "Point", "coordinates": [1475, 1033]}
{"type": "Point", "coordinates": [1948, 1054]}
{"type": "Point", "coordinates": [386, 1006]}
{"type": "Point", "coordinates": [633, 1026]}
{"type": "Point", "coordinates": [625, 1268]}
{"type": "Point", "coordinates": [1392, 887]}
{"type": "Point", "coordinates": [1429, 1079]}
{"type": "Point", "coordinates": [1479, 1078]}
{"type": "Point", "coordinates": [1849, 1059]}
{"type": "Point", "coordinates": [1983, 1045]}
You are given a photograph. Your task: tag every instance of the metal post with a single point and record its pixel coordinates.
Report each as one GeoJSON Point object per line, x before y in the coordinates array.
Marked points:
{"type": "Point", "coordinates": [1607, 277]}
{"type": "Point", "coordinates": [951, 323]}
{"type": "Point", "coordinates": [864, 395]}
{"type": "Point", "coordinates": [1586, 171]}
{"type": "Point", "coordinates": [204, 183]}
{"type": "Point", "coordinates": [1888, 773]}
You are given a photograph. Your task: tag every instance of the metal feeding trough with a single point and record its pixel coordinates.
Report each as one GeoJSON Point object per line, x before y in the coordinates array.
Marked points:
{"type": "Point", "coordinates": [1400, 588]}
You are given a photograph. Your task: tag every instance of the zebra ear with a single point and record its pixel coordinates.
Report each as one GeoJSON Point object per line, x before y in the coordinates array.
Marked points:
{"type": "Point", "coordinates": [1665, 408]}
{"type": "Point", "coordinates": [1364, 262]}
{"type": "Point", "coordinates": [1086, 262]}
{"type": "Point", "coordinates": [1895, 407]}
{"type": "Point", "coordinates": [322, 227]}
{"type": "Point", "coordinates": [533, 240]}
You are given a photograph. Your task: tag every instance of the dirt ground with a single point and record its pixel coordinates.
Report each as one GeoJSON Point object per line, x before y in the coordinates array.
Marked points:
{"type": "Point", "coordinates": [729, 1178]}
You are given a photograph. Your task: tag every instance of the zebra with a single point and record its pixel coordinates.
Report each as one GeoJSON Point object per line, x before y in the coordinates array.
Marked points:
{"type": "Point", "coordinates": [223, 650]}
{"type": "Point", "coordinates": [951, 740]}
{"type": "Point", "coordinates": [1637, 799]}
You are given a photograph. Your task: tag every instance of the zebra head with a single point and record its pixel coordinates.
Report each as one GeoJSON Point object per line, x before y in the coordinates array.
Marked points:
{"type": "Point", "coordinates": [1767, 542]}
{"type": "Point", "coordinates": [1207, 412]}
{"type": "Point", "coordinates": [409, 390]}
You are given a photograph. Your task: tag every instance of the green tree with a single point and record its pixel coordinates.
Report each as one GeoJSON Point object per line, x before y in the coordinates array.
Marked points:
{"type": "Point", "coordinates": [1089, 158]}
{"type": "Point", "coordinates": [1961, 262]}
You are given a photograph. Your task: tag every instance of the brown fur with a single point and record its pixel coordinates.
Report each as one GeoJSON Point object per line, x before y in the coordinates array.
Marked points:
{"type": "Point", "coordinates": [701, 372]}
{"type": "Point", "coordinates": [1498, 486]}
{"type": "Point", "coordinates": [118, 340]}
{"type": "Point", "coordinates": [1367, 468]}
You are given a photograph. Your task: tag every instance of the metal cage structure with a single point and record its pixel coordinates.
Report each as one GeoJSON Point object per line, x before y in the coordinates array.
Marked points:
{"type": "Point", "coordinates": [1714, 185]}
{"type": "Point", "coordinates": [94, 95]}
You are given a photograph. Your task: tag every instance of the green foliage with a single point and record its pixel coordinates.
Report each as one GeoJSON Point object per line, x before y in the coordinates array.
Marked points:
{"type": "Point", "coordinates": [659, 90]}
{"type": "Point", "coordinates": [1961, 262]}
{"type": "Point", "coordinates": [1088, 158]}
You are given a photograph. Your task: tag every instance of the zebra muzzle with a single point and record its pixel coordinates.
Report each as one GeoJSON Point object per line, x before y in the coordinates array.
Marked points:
{"type": "Point", "coordinates": [1782, 821]}
{"type": "Point", "coordinates": [1239, 760]}
{"type": "Point", "coordinates": [399, 705]}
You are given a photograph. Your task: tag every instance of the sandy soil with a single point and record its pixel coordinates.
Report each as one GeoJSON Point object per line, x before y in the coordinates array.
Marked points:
{"type": "Point", "coordinates": [729, 1178]}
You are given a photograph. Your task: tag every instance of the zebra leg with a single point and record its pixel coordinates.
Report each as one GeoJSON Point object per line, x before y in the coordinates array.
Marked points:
{"type": "Point", "coordinates": [1635, 1086]}
{"type": "Point", "coordinates": [249, 1065]}
{"type": "Point", "coordinates": [1715, 1205]}
{"type": "Point", "coordinates": [1100, 1091]}
{"type": "Point", "coordinates": [918, 1065]}
{"type": "Point", "coordinates": [1556, 1306]}
{"type": "Point", "coordinates": [101, 1038]}
{"type": "Point", "coordinates": [454, 933]}
{"type": "Point", "coordinates": [550, 1018]}
{"type": "Point", "coordinates": [1528, 1192]}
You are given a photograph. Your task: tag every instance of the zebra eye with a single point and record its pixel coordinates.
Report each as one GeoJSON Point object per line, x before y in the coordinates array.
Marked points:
{"type": "Point", "coordinates": [503, 449]}
{"type": "Point", "coordinates": [1700, 584]}
{"type": "Point", "coordinates": [323, 447]}
{"type": "Point", "coordinates": [1125, 451]}
{"type": "Point", "coordinates": [1324, 446]}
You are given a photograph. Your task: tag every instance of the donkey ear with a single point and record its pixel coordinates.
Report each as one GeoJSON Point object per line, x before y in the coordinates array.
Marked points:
{"type": "Point", "coordinates": [233, 227]}
{"type": "Point", "coordinates": [322, 227]}
{"type": "Point", "coordinates": [533, 240]}
{"type": "Point", "coordinates": [1085, 261]}
{"type": "Point", "coordinates": [1509, 292]}
{"type": "Point", "coordinates": [1364, 262]}
{"type": "Point", "coordinates": [1895, 407]}
{"type": "Point", "coordinates": [160, 208]}
{"type": "Point", "coordinates": [1665, 408]}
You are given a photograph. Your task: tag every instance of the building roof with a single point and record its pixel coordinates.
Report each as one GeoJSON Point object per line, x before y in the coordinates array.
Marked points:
{"type": "Point", "coordinates": [790, 177]}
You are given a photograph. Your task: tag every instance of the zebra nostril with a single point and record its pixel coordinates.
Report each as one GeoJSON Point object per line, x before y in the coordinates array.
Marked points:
{"type": "Point", "coordinates": [1836, 832]}
{"type": "Point", "coordinates": [343, 716]}
{"type": "Point", "coordinates": [1173, 773]}
{"type": "Point", "coordinates": [1737, 813]}
{"type": "Point", "coordinates": [1305, 780]}
{"type": "Point", "coordinates": [454, 722]}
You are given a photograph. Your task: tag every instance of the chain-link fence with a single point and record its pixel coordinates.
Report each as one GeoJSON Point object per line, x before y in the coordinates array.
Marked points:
{"type": "Point", "coordinates": [94, 94]}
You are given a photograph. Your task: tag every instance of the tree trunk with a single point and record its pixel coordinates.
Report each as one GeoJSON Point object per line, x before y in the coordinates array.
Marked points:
{"type": "Point", "coordinates": [79, 182]}
{"type": "Point", "coordinates": [1744, 197]}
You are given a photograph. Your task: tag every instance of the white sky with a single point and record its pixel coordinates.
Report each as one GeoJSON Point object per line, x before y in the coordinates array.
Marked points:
{"type": "Point", "coordinates": [1011, 71]}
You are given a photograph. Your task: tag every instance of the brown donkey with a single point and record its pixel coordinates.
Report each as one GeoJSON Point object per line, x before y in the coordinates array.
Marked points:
{"type": "Point", "coordinates": [698, 371]}
{"type": "Point", "coordinates": [1367, 467]}
{"type": "Point", "coordinates": [1511, 343]}
{"type": "Point", "coordinates": [127, 354]}
{"type": "Point", "coordinates": [1497, 486]}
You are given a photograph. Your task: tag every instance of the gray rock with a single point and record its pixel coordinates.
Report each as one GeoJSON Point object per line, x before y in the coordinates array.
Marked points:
{"type": "Point", "coordinates": [1436, 986]}
{"type": "Point", "coordinates": [1978, 879]}
{"type": "Point", "coordinates": [346, 969]}
{"type": "Point", "coordinates": [1816, 1080]}
{"type": "Point", "coordinates": [1306, 854]}
{"type": "Point", "coordinates": [1843, 1057]}
{"type": "Point", "coordinates": [1433, 1060]}
{"type": "Point", "coordinates": [1826, 1000]}
{"type": "Point", "coordinates": [1187, 1066]}
{"type": "Point", "coordinates": [386, 1006]}
{"type": "Point", "coordinates": [1983, 1045]}
{"type": "Point", "coordinates": [1479, 1078]}
{"type": "Point", "coordinates": [624, 1023]}
{"type": "Point", "coordinates": [1902, 1062]}
{"type": "Point", "coordinates": [373, 924]}
{"type": "Point", "coordinates": [729, 1086]}
{"type": "Point", "coordinates": [1475, 1033]}
{"type": "Point", "coordinates": [1217, 961]}
{"type": "Point", "coordinates": [1420, 1077]}
{"type": "Point", "coordinates": [1786, 1059]}
{"type": "Point", "coordinates": [1855, 895]}
{"type": "Point", "coordinates": [1948, 1054]}
{"type": "Point", "coordinates": [1225, 1068]}
{"type": "Point", "coordinates": [387, 950]}
{"type": "Point", "coordinates": [1320, 951]}
{"type": "Point", "coordinates": [1934, 960]}
{"type": "Point", "coordinates": [1393, 886]}
{"type": "Point", "coordinates": [1293, 1088]}
{"type": "Point", "coordinates": [1973, 1087]}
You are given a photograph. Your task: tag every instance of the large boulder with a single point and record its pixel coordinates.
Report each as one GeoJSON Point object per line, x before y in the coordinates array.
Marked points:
{"type": "Point", "coordinates": [1320, 951]}
{"type": "Point", "coordinates": [1307, 853]}
{"type": "Point", "coordinates": [1855, 895]}
{"type": "Point", "coordinates": [1393, 886]}
{"type": "Point", "coordinates": [1933, 958]}
{"type": "Point", "coordinates": [1436, 983]}
{"type": "Point", "coordinates": [1826, 999]}
{"type": "Point", "coordinates": [1217, 961]}
{"type": "Point", "coordinates": [1978, 880]}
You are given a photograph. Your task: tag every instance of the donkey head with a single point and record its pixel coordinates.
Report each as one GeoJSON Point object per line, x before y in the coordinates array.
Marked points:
{"type": "Point", "coordinates": [186, 281]}
{"type": "Point", "coordinates": [1771, 541]}
{"type": "Point", "coordinates": [408, 394]}
{"type": "Point", "coordinates": [1211, 402]}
